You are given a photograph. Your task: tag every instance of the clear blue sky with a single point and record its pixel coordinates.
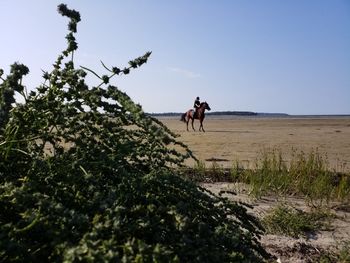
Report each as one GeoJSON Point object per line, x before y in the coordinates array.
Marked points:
{"type": "Point", "coordinates": [263, 56]}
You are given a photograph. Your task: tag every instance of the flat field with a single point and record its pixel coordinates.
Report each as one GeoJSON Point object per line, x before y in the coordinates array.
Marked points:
{"type": "Point", "coordinates": [229, 139]}
{"type": "Point", "coordinates": [244, 139]}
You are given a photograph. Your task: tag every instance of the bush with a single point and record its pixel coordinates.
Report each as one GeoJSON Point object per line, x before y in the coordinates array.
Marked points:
{"type": "Point", "coordinates": [86, 175]}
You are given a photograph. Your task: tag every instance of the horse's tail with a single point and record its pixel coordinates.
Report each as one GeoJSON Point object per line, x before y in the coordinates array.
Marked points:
{"type": "Point", "coordinates": [183, 116]}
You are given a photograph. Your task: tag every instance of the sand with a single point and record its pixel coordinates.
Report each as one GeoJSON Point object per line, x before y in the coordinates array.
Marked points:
{"type": "Point", "coordinates": [243, 139]}
{"type": "Point", "coordinates": [288, 249]}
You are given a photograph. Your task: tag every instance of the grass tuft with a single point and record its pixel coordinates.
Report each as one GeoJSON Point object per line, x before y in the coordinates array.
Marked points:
{"type": "Point", "coordinates": [287, 220]}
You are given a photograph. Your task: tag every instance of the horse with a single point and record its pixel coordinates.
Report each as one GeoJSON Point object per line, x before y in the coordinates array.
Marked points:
{"type": "Point", "coordinates": [187, 116]}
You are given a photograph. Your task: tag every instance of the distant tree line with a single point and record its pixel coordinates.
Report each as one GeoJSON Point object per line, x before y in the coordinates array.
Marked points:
{"type": "Point", "coordinates": [220, 113]}
{"type": "Point", "coordinates": [238, 113]}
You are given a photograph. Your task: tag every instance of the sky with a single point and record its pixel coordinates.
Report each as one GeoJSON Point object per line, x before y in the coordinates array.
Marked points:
{"type": "Point", "coordinates": [272, 56]}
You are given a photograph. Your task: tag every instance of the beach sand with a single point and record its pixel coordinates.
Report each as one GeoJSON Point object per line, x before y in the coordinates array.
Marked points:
{"type": "Point", "coordinates": [244, 139]}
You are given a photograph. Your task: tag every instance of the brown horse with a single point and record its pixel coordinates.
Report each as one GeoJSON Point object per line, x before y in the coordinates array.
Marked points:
{"type": "Point", "coordinates": [186, 117]}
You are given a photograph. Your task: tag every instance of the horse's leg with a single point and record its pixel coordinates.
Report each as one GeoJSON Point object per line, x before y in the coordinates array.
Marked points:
{"type": "Point", "coordinates": [201, 127]}
{"type": "Point", "coordinates": [188, 119]}
{"type": "Point", "coordinates": [192, 124]}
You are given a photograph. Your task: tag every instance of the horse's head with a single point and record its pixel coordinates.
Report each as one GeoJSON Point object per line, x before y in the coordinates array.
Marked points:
{"type": "Point", "coordinates": [206, 105]}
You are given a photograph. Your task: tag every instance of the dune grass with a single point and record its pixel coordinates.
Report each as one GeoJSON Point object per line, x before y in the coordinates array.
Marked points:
{"type": "Point", "coordinates": [307, 175]}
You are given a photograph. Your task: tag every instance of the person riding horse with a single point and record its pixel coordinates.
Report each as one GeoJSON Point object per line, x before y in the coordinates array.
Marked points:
{"type": "Point", "coordinates": [196, 106]}
{"type": "Point", "coordinates": [198, 113]}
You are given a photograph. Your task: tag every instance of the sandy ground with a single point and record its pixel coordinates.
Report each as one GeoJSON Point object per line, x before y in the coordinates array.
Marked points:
{"type": "Point", "coordinates": [288, 249]}
{"type": "Point", "coordinates": [243, 138]}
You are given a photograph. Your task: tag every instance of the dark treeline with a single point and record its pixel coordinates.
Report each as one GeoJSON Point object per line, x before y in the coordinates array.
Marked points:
{"type": "Point", "coordinates": [215, 113]}
{"type": "Point", "coordinates": [221, 113]}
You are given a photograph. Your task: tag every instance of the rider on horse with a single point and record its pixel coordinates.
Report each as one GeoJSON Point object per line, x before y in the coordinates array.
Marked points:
{"type": "Point", "coordinates": [196, 105]}
{"type": "Point", "coordinates": [197, 113]}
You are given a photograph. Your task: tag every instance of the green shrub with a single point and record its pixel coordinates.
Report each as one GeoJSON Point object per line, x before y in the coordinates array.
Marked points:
{"type": "Point", "coordinates": [86, 175]}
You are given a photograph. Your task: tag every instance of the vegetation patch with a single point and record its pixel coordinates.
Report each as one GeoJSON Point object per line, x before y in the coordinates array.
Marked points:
{"type": "Point", "coordinates": [289, 221]}
{"type": "Point", "coordinates": [343, 254]}
{"type": "Point", "coordinates": [307, 175]}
